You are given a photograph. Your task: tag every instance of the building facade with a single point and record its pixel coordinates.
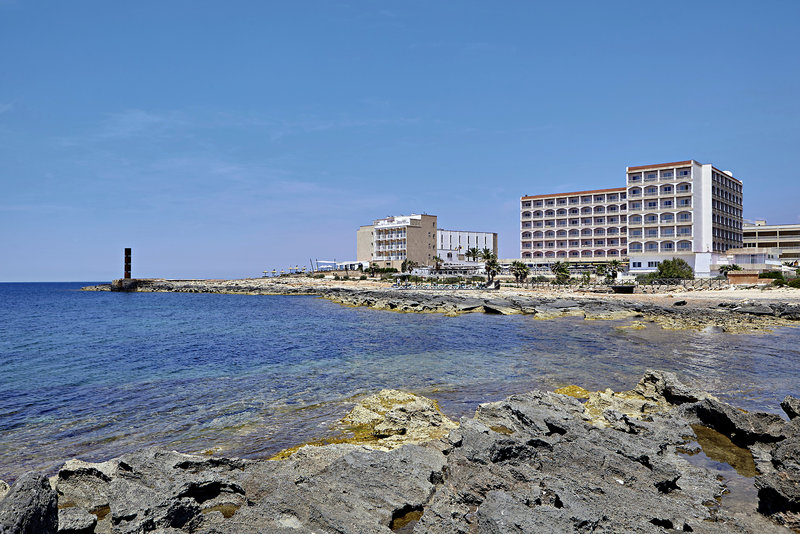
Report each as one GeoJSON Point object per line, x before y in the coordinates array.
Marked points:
{"type": "Point", "coordinates": [784, 237]}
{"type": "Point", "coordinates": [580, 226]}
{"type": "Point", "coordinates": [452, 245]}
{"type": "Point", "coordinates": [392, 240]}
{"type": "Point", "coordinates": [684, 210]}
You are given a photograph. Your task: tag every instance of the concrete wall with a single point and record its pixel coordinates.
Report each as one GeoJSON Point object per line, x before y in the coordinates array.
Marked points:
{"type": "Point", "coordinates": [743, 278]}
{"type": "Point", "coordinates": [421, 240]}
{"type": "Point", "coordinates": [364, 243]}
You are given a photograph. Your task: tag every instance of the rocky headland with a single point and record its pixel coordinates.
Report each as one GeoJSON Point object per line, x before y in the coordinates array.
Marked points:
{"type": "Point", "coordinates": [711, 313]}
{"type": "Point", "coordinates": [574, 461]}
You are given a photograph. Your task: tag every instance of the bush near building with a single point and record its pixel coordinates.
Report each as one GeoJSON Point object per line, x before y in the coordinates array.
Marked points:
{"type": "Point", "coordinates": [676, 268]}
{"type": "Point", "coordinates": [771, 274]}
{"type": "Point", "coordinates": [794, 283]}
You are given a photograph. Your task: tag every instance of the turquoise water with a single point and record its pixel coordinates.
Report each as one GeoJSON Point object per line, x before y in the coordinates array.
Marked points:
{"type": "Point", "coordinates": [93, 375]}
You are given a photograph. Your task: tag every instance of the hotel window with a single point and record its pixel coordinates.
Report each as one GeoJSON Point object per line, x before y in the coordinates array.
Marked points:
{"type": "Point", "coordinates": [666, 189]}
{"type": "Point", "coordinates": [650, 190]}
{"type": "Point", "coordinates": [651, 232]}
{"type": "Point", "coordinates": [652, 264]}
{"type": "Point", "coordinates": [636, 264]}
{"type": "Point", "coordinates": [666, 203]}
{"type": "Point", "coordinates": [666, 174]}
{"type": "Point", "coordinates": [650, 176]}
{"type": "Point", "coordinates": [684, 172]}
{"type": "Point", "coordinates": [651, 247]}
{"type": "Point", "coordinates": [651, 219]}
{"type": "Point", "coordinates": [652, 204]}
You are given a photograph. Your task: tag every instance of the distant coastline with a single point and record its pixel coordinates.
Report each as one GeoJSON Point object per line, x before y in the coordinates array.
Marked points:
{"type": "Point", "coordinates": [734, 311]}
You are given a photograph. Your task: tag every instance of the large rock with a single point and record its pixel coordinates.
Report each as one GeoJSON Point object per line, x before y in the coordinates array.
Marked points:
{"type": "Point", "coordinates": [538, 462]}
{"type": "Point", "coordinates": [396, 418]}
{"type": "Point", "coordinates": [29, 507]}
{"type": "Point", "coordinates": [791, 405]}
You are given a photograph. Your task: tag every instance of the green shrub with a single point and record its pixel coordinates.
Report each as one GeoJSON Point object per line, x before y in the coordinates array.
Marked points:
{"type": "Point", "coordinates": [771, 274]}
{"type": "Point", "coordinates": [794, 283]}
{"type": "Point", "coordinates": [674, 268]}
{"type": "Point", "coordinates": [780, 282]}
{"type": "Point", "coordinates": [362, 277]}
{"type": "Point", "coordinates": [336, 277]}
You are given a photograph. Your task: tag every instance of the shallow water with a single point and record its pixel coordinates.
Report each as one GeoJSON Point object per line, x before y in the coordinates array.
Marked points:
{"type": "Point", "coordinates": [93, 375]}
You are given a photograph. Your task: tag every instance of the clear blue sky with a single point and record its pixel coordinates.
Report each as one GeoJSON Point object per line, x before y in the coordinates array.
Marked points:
{"type": "Point", "coordinates": [219, 139]}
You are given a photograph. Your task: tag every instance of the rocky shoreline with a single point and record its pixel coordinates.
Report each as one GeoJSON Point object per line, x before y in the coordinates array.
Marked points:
{"type": "Point", "coordinates": [720, 315]}
{"type": "Point", "coordinates": [539, 462]}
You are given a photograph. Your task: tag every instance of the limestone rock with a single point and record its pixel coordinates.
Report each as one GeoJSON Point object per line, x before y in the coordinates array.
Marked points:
{"type": "Point", "coordinates": [76, 521]}
{"type": "Point", "coordinates": [29, 507]}
{"type": "Point", "coordinates": [397, 417]}
{"type": "Point", "coordinates": [791, 405]}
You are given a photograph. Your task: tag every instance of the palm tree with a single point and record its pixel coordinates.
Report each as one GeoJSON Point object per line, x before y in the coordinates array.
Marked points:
{"type": "Point", "coordinates": [492, 268]}
{"type": "Point", "coordinates": [411, 265]}
{"type": "Point", "coordinates": [473, 253]}
{"type": "Point", "coordinates": [614, 267]}
{"type": "Point", "coordinates": [520, 271]}
{"type": "Point", "coordinates": [601, 270]}
{"type": "Point", "coordinates": [437, 263]}
{"type": "Point", "coordinates": [725, 269]}
{"type": "Point", "coordinates": [561, 270]}
{"type": "Point", "coordinates": [486, 254]}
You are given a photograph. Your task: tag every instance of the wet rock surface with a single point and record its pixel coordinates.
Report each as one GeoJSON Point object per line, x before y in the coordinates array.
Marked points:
{"type": "Point", "coordinates": [537, 462]}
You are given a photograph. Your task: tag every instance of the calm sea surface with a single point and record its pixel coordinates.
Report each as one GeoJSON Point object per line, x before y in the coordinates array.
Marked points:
{"type": "Point", "coordinates": [93, 375]}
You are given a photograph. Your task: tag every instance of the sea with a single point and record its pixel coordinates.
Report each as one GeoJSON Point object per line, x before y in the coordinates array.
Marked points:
{"type": "Point", "coordinates": [93, 375]}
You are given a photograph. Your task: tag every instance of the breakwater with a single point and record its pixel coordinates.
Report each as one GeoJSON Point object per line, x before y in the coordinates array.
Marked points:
{"type": "Point", "coordinates": [716, 314]}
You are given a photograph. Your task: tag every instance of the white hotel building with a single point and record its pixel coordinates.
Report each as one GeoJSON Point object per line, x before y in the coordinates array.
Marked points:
{"type": "Point", "coordinates": [682, 210]}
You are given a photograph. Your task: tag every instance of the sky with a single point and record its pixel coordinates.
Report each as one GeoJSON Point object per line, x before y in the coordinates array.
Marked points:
{"type": "Point", "coordinates": [221, 139]}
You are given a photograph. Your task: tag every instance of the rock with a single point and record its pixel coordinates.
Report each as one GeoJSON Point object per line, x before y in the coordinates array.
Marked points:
{"type": "Point", "coordinates": [744, 429]}
{"type": "Point", "coordinates": [791, 405]}
{"type": "Point", "coordinates": [4, 487]}
{"type": "Point", "coordinates": [536, 462]}
{"type": "Point", "coordinates": [530, 464]}
{"type": "Point", "coordinates": [755, 309]}
{"type": "Point", "coordinates": [779, 489]}
{"type": "Point", "coordinates": [29, 507]}
{"type": "Point", "coordinates": [396, 418]}
{"type": "Point", "coordinates": [76, 521]}
{"type": "Point", "coordinates": [679, 303]}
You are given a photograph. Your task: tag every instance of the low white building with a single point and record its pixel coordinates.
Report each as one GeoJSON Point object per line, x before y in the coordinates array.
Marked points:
{"type": "Point", "coordinates": [754, 259]}
{"type": "Point", "coordinates": [452, 245]}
